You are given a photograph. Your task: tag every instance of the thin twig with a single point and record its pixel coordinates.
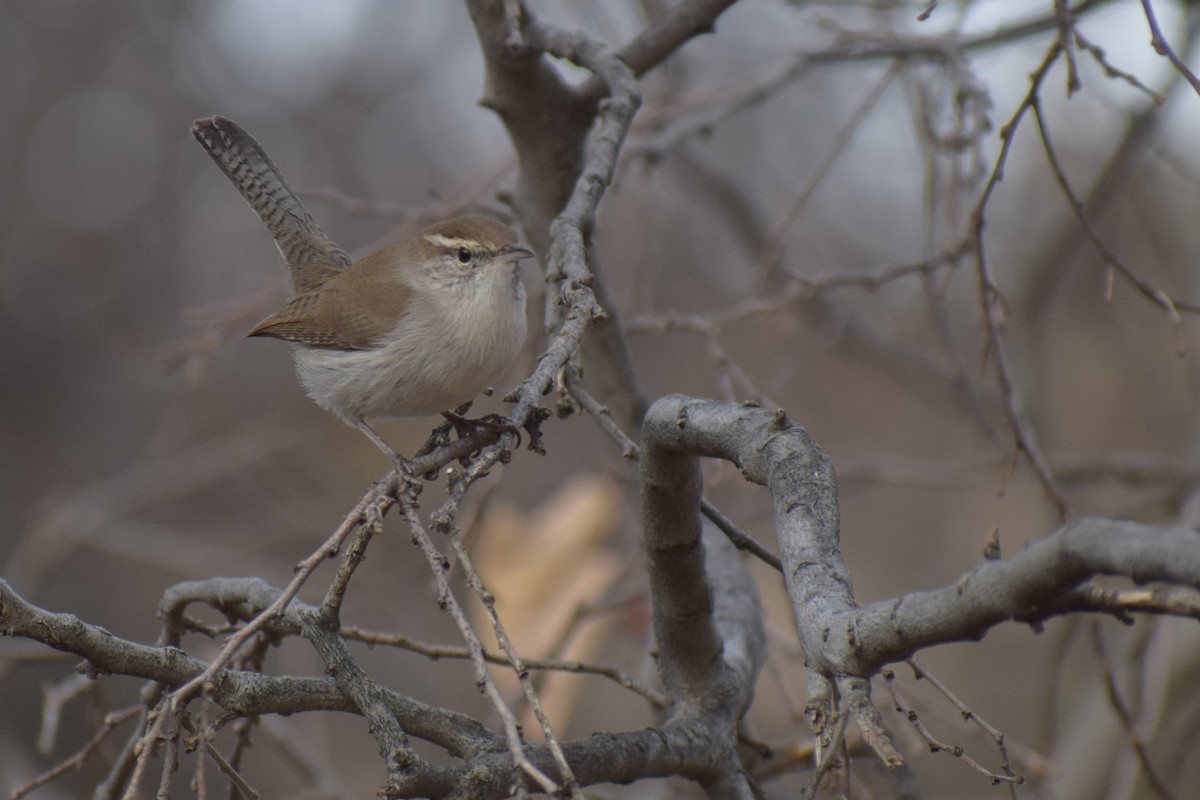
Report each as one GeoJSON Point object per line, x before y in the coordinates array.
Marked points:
{"type": "Point", "coordinates": [1163, 48]}
{"type": "Point", "coordinates": [1117, 700]}
{"type": "Point", "coordinates": [439, 566]}
{"type": "Point", "coordinates": [938, 746]}
{"type": "Point", "coordinates": [146, 745]}
{"type": "Point", "coordinates": [967, 714]}
{"type": "Point", "coordinates": [76, 761]}
{"type": "Point", "coordinates": [740, 539]}
{"type": "Point", "coordinates": [991, 301]}
{"type": "Point", "coordinates": [170, 757]}
{"type": "Point", "coordinates": [829, 757]}
{"type": "Point", "coordinates": [1066, 37]}
{"type": "Point", "coordinates": [1151, 292]}
{"type": "Point", "coordinates": [242, 729]}
{"type": "Point", "coordinates": [769, 256]}
{"type": "Point", "coordinates": [802, 287]}
{"type": "Point", "coordinates": [54, 699]}
{"type": "Point", "coordinates": [1114, 72]}
{"type": "Point", "coordinates": [513, 659]}
{"type": "Point", "coordinates": [433, 651]}
{"type": "Point", "coordinates": [443, 520]}
{"type": "Point", "coordinates": [373, 504]}
{"type": "Point", "coordinates": [238, 785]}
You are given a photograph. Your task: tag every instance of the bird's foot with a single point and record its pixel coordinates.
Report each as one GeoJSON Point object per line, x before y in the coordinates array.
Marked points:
{"type": "Point", "coordinates": [469, 428]}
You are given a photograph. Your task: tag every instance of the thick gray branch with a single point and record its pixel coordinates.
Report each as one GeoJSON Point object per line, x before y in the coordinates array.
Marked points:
{"type": "Point", "coordinates": [684, 748]}
{"type": "Point", "coordinates": [707, 622]}
{"type": "Point", "coordinates": [1027, 586]}
{"type": "Point", "coordinates": [677, 27]}
{"type": "Point", "coordinates": [773, 451]}
{"type": "Point", "coordinates": [408, 774]}
{"type": "Point", "coordinates": [845, 645]}
{"type": "Point", "coordinates": [546, 120]}
{"type": "Point", "coordinates": [691, 648]}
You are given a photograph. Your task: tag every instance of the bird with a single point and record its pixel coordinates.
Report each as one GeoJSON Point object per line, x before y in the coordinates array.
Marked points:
{"type": "Point", "coordinates": [419, 327]}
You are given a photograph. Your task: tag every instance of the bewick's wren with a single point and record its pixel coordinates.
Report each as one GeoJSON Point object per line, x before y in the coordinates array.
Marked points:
{"type": "Point", "coordinates": [415, 328]}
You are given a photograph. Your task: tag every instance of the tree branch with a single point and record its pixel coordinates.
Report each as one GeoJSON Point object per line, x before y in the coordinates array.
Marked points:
{"type": "Point", "coordinates": [843, 643]}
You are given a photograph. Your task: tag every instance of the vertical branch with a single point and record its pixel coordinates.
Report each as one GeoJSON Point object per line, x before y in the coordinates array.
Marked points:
{"type": "Point", "coordinates": [991, 300]}
{"type": "Point", "coordinates": [1126, 716]}
{"type": "Point", "coordinates": [443, 521]}
{"type": "Point", "coordinates": [689, 647]}
{"type": "Point", "coordinates": [512, 732]}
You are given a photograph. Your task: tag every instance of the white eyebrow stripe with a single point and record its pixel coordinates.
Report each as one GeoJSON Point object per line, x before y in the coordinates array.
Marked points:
{"type": "Point", "coordinates": [448, 241]}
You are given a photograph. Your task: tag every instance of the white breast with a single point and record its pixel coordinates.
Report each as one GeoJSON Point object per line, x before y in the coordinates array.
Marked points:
{"type": "Point", "coordinates": [439, 356]}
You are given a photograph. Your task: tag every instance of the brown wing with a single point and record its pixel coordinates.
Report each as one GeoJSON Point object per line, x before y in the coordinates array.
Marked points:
{"type": "Point", "coordinates": [352, 310]}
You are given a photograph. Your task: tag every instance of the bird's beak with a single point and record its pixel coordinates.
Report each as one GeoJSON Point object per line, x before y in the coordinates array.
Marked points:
{"type": "Point", "coordinates": [517, 253]}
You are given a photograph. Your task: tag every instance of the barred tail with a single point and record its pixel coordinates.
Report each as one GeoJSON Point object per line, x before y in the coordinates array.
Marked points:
{"type": "Point", "coordinates": [309, 253]}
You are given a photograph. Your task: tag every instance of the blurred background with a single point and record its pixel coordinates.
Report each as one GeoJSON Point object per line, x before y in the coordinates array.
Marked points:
{"type": "Point", "coordinates": [144, 441]}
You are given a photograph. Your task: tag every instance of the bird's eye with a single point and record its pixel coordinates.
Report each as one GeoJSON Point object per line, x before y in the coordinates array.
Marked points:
{"type": "Point", "coordinates": [464, 255]}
